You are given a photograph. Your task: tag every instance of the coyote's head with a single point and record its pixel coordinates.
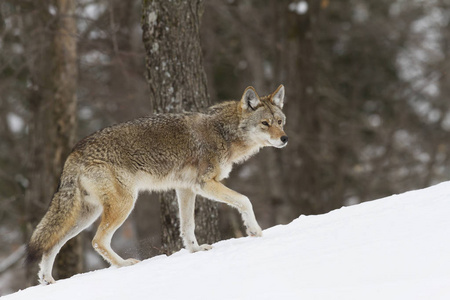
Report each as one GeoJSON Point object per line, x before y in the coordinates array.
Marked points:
{"type": "Point", "coordinates": [262, 118]}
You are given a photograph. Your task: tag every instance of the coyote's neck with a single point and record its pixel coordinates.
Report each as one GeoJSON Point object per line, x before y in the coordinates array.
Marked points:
{"type": "Point", "coordinates": [240, 147]}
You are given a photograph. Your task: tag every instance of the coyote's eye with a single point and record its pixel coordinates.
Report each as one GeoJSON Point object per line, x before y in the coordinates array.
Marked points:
{"type": "Point", "coordinates": [265, 123]}
{"type": "Point", "coordinates": [279, 122]}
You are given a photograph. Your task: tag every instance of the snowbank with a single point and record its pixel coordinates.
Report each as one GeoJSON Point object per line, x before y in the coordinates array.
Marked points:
{"type": "Point", "coordinates": [393, 248]}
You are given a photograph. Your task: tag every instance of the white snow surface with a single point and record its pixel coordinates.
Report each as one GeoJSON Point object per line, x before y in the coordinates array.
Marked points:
{"type": "Point", "coordinates": [393, 248]}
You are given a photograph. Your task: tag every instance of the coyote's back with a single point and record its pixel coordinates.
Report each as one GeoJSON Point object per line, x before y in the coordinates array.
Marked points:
{"type": "Point", "coordinates": [190, 152]}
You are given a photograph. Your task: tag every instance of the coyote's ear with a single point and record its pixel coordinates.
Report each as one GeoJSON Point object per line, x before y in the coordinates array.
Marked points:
{"type": "Point", "coordinates": [278, 96]}
{"type": "Point", "coordinates": [250, 99]}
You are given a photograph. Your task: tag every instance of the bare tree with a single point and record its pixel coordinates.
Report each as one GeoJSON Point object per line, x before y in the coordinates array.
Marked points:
{"type": "Point", "coordinates": [177, 83]}
{"type": "Point", "coordinates": [53, 105]}
{"type": "Point", "coordinates": [64, 80]}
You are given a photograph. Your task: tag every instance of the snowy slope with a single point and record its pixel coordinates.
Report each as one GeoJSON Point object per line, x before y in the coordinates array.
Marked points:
{"type": "Point", "coordinates": [393, 248]}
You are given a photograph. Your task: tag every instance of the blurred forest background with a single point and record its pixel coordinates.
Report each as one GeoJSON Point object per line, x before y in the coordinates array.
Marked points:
{"type": "Point", "coordinates": [367, 104]}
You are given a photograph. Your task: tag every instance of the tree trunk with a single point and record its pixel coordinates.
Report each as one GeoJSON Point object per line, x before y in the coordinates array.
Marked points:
{"type": "Point", "coordinates": [303, 111]}
{"type": "Point", "coordinates": [177, 83]}
{"type": "Point", "coordinates": [52, 130]}
{"type": "Point", "coordinates": [308, 108]}
{"type": "Point", "coordinates": [69, 261]}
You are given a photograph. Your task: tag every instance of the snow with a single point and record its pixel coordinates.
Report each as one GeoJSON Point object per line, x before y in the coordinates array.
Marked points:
{"type": "Point", "coordinates": [393, 248]}
{"type": "Point", "coordinates": [300, 7]}
{"type": "Point", "coordinates": [15, 123]}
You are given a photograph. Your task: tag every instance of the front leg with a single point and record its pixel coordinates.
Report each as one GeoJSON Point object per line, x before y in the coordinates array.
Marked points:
{"type": "Point", "coordinates": [186, 203]}
{"type": "Point", "coordinates": [217, 191]}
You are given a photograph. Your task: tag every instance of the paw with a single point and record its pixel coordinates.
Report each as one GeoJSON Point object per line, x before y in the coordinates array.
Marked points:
{"type": "Point", "coordinates": [130, 262]}
{"type": "Point", "coordinates": [46, 280]}
{"type": "Point", "coordinates": [205, 247]}
{"type": "Point", "coordinates": [254, 231]}
{"type": "Point", "coordinates": [197, 248]}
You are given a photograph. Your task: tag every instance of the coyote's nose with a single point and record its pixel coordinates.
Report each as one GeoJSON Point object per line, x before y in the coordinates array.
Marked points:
{"type": "Point", "coordinates": [284, 139]}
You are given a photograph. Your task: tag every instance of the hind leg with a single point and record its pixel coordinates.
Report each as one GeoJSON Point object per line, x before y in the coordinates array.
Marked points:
{"type": "Point", "coordinates": [86, 217]}
{"type": "Point", "coordinates": [117, 205]}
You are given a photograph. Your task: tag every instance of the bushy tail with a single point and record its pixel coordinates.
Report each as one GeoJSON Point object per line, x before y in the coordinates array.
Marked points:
{"type": "Point", "coordinates": [59, 219]}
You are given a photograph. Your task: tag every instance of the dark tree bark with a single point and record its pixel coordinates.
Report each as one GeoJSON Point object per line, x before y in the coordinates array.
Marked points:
{"type": "Point", "coordinates": [177, 83]}
{"type": "Point", "coordinates": [300, 171]}
{"type": "Point", "coordinates": [52, 131]}
{"type": "Point", "coordinates": [69, 261]}
{"type": "Point", "coordinates": [303, 68]}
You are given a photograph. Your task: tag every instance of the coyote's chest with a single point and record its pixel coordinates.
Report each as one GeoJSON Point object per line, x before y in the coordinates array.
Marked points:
{"type": "Point", "coordinates": [238, 154]}
{"type": "Point", "coordinates": [241, 152]}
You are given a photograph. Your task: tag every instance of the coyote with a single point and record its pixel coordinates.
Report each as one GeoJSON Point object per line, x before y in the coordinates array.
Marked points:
{"type": "Point", "coordinates": [188, 152]}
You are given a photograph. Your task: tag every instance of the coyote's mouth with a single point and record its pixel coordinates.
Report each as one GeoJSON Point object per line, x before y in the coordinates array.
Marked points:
{"type": "Point", "coordinates": [278, 144]}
